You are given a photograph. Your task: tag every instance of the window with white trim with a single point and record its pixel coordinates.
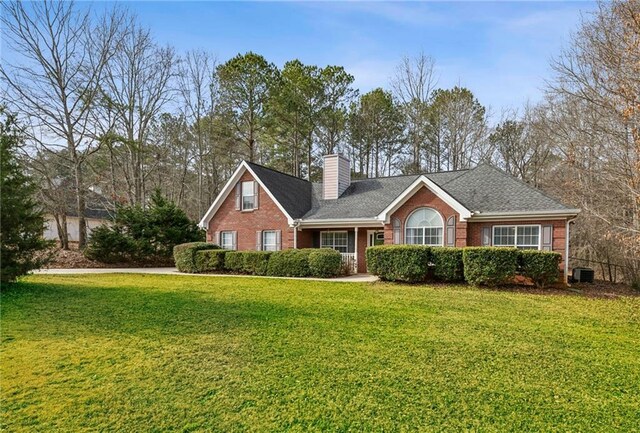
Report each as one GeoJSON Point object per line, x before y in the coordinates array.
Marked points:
{"type": "Point", "coordinates": [226, 241]}
{"type": "Point", "coordinates": [337, 240]}
{"type": "Point", "coordinates": [526, 237]}
{"type": "Point", "coordinates": [424, 227]}
{"type": "Point", "coordinates": [248, 195]}
{"type": "Point", "coordinates": [269, 240]}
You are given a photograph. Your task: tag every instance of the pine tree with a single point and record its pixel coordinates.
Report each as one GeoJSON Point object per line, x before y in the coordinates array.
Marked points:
{"type": "Point", "coordinates": [22, 221]}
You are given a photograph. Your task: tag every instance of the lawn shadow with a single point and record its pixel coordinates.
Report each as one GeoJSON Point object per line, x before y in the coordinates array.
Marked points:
{"type": "Point", "coordinates": [71, 311]}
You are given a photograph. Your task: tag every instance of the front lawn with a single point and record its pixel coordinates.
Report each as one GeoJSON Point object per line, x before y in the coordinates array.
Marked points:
{"type": "Point", "coordinates": [175, 353]}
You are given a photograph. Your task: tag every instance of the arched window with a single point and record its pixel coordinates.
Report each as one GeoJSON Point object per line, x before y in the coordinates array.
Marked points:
{"type": "Point", "coordinates": [424, 227]}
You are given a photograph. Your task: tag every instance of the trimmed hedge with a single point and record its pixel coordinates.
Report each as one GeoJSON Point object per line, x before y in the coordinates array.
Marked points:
{"type": "Point", "coordinates": [325, 263]}
{"type": "Point", "coordinates": [234, 261]}
{"type": "Point", "coordinates": [490, 265]}
{"type": "Point", "coordinates": [448, 264]}
{"type": "Point", "coordinates": [290, 263]}
{"type": "Point", "coordinates": [408, 263]}
{"type": "Point", "coordinates": [541, 266]}
{"type": "Point", "coordinates": [184, 255]}
{"type": "Point", "coordinates": [210, 260]}
{"type": "Point", "coordinates": [247, 262]}
{"type": "Point", "coordinates": [255, 262]}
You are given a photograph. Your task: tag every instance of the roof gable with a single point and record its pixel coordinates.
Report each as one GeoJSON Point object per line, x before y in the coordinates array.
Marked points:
{"type": "Point", "coordinates": [292, 195]}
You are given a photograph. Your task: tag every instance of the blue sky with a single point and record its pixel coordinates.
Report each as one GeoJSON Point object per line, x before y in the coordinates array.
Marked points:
{"type": "Point", "coordinates": [500, 50]}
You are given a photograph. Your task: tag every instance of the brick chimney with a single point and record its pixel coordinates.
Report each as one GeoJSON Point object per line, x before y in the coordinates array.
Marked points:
{"type": "Point", "coordinates": [336, 176]}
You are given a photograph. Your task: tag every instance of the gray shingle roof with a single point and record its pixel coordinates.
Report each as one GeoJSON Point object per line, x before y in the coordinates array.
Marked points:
{"type": "Point", "coordinates": [484, 189]}
{"type": "Point", "coordinates": [293, 193]}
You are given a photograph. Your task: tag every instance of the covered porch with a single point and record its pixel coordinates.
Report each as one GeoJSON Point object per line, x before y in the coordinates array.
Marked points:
{"type": "Point", "coordinates": [351, 242]}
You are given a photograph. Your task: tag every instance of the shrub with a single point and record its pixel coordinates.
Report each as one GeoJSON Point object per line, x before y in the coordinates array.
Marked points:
{"type": "Point", "coordinates": [234, 261]}
{"type": "Point", "coordinates": [541, 266]}
{"type": "Point", "coordinates": [448, 265]}
{"type": "Point", "coordinates": [255, 262]}
{"type": "Point", "coordinates": [109, 245]}
{"type": "Point", "coordinates": [408, 263]}
{"type": "Point", "coordinates": [325, 263]}
{"type": "Point", "coordinates": [151, 233]}
{"type": "Point", "coordinates": [489, 265]}
{"type": "Point", "coordinates": [184, 255]}
{"type": "Point", "coordinates": [210, 260]}
{"type": "Point", "coordinates": [290, 263]}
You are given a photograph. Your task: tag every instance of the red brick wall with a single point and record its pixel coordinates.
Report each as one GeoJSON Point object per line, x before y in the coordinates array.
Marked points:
{"type": "Point", "coordinates": [424, 197]}
{"type": "Point", "coordinates": [267, 217]}
{"type": "Point", "coordinates": [474, 235]}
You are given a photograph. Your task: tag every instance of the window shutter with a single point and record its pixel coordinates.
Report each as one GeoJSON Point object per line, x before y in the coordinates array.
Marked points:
{"type": "Point", "coordinates": [278, 240]}
{"type": "Point", "coordinates": [486, 236]}
{"type": "Point", "coordinates": [216, 238]}
{"type": "Point", "coordinates": [234, 245]}
{"type": "Point", "coordinates": [451, 231]}
{"type": "Point", "coordinates": [238, 195]}
{"type": "Point", "coordinates": [256, 189]}
{"type": "Point", "coordinates": [547, 238]}
{"type": "Point", "coordinates": [397, 231]}
{"type": "Point", "coordinates": [259, 240]}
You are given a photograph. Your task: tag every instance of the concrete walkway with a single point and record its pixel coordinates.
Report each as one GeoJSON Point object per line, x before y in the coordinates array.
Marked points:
{"type": "Point", "coordinates": [357, 278]}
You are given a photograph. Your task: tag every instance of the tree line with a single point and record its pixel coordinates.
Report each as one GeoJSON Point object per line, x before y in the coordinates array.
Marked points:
{"type": "Point", "coordinates": [109, 107]}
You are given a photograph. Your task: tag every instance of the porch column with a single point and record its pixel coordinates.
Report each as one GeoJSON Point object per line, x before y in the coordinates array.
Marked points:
{"type": "Point", "coordinates": [356, 249]}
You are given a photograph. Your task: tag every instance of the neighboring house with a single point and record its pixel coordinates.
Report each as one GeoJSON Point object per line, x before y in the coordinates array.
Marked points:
{"type": "Point", "coordinates": [263, 209]}
{"type": "Point", "coordinates": [98, 211]}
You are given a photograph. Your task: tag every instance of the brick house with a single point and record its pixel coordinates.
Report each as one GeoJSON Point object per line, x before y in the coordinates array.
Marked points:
{"type": "Point", "coordinates": [263, 209]}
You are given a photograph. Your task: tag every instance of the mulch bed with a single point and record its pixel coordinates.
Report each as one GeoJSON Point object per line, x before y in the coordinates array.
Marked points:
{"type": "Point", "coordinates": [597, 289]}
{"type": "Point", "coordinates": [74, 259]}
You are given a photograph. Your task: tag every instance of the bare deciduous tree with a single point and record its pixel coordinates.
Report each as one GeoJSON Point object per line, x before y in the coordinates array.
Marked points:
{"type": "Point", "coordinates": [63, 55]}
{"type": "Point", "coordinates": [412, 85]}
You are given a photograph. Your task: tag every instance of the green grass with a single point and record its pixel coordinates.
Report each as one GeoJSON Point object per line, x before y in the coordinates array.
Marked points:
{"type": "Point", "coordinates": [174, 353]}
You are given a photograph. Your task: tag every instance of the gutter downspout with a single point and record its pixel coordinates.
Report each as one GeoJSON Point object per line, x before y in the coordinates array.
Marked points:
{"type": "Point", "coordinates": [566, 248]}
{"type": "Point", "coordinates": [296, 224]}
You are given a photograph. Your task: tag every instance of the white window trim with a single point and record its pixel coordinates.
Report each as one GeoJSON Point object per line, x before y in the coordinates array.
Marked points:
{"type": "Point", "coordinates": [334, 243]}
{"type": "Point", "coordinates": [242, 196]}
{"type": "Point", "coordinates": [515, 237]}
{"type": "Point", "coordinates": [222, 233]}
{"type": "Point", "coordinates": [406, 227]}
{"type": "Point", "coordinates": [275, 240]}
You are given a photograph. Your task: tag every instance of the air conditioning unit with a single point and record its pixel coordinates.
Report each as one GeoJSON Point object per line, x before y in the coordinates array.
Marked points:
{"type": "Point", "coordinates": [582, 275]}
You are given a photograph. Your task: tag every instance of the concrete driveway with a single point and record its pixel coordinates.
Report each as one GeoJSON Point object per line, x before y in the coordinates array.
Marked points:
{"type": "Point", "coordinates": [357, 278]}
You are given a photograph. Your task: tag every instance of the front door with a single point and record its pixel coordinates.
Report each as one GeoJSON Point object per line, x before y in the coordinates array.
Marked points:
{"type": "Point", "coordinates": [375, 238]}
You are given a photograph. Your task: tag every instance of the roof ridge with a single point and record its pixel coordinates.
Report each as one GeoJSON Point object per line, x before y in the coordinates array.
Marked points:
{"type": "Point", "coordinates": [522, 182]}
{"type": "Point", "coordinates": [425, 173]}
{"type": "Point", "coordinates": [276, 171]}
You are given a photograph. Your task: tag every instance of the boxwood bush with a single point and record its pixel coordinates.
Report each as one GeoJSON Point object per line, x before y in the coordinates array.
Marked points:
{"type": "Point", "coordinates": [255, 262]}
{"type": "Point", "coordinates": [408, 263]}
{"type": "Point", "coordinates": [541, 266]}
{"type": "Point", "coordinates": [325, 263]}
{"type": "Point", "coordinates": [447, 264]}
{"type": "Point", "coordinates": [234, 261]}
{"type": "Point", "coordinates": [490, 266]}
{"type": "Point", "coordinates": [290, 263]}
{"type": "Point", "coordinates": [210, 260]}
{"type": "Point", "coordinates": [184, 255]}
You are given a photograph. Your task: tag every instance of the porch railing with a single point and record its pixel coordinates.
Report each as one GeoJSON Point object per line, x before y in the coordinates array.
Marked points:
{"type": "Point", "coordinates": [349, 261]}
